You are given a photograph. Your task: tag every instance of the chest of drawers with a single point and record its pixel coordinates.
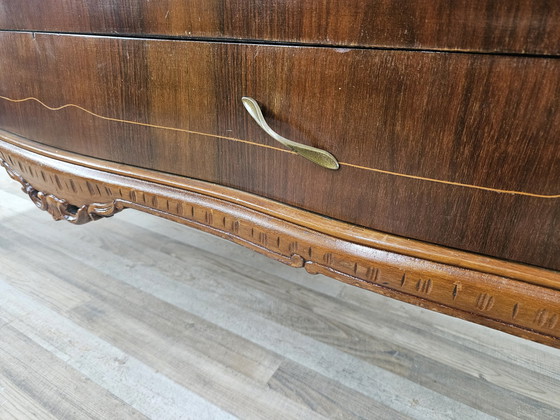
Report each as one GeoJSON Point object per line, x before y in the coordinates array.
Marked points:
{"type": "Point", "coordinates": [443, 121]}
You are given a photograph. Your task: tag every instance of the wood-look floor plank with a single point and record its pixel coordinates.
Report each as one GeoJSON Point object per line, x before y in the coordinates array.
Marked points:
{"type": "Point", "coordinates": [470, 336]}
{"type": "Point", "coordinates": [15, 404]}
{"type": "Point", "coordinates": [325, 395]}
{"type": "Point", "coordinates": [201, 373]}
{"type": "Point", "coordinates": [224, 387]}
{"type": "Point", "coordinates": [45, 386]}
{"type": "Point", "coordinates": [138, 385]}
{"type": "Point", "coordinates": [13, 202]}
{"type": "Point", "coordinates": [192, 333]}
{"type": "Point", "coordinates": [207, 298]}
{"type": "Point", "coordinates": [338, 325]}
{"type": "Point", "coordinates": [53, 291]}
{"type": "Point", "coordinates": [181, 362]}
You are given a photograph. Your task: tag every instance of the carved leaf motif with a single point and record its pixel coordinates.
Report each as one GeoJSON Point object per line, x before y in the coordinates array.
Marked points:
{"type": "Point", "coordinates": [59, 208]}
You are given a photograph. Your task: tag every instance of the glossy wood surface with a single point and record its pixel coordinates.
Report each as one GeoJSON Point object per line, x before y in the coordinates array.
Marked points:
{"type": "Point", "coordinates": [520, 26]}
{"type": "Point", "coordinates": [448, 117]}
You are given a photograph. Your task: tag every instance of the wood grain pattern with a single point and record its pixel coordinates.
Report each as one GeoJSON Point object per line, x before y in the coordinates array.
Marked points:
{"type": "Point", "coordinates": [521, 308]}
{"type": "Point", "coordinates": [44, 395]}
{"type": "Point", "coordinates": [449, 117]}
{"type": "Point", "coordinates": [523, 26]}
{"type": "Point", "coordinates": [331, 401]}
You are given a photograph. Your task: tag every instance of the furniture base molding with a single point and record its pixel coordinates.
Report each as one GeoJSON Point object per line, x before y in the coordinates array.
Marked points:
{"type": "Point", "coordinates": [60, 209]}
{"type": "Point", "coordinates": [518, 299]}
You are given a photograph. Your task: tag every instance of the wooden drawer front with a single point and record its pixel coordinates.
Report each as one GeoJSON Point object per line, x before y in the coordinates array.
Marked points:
{"type": "Point", "coordinates": [431, 145]}
{"type": "Point", "coordinates": [521, 26]}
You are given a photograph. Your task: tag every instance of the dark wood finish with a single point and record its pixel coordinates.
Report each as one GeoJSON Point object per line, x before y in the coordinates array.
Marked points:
{"type": "Point", "coordinates": [504, 303]}
{"type": "Point", "coordinates": [520, 26]}
{"type": "Point", "coordinates": [449, 117]}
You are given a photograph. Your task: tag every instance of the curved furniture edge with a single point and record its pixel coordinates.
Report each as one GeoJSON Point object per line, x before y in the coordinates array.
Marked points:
{"type": "Point", "coordinates": [503, 295]}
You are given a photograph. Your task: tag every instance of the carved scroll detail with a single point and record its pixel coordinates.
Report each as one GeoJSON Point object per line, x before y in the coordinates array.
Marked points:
{"type": "Point", "coordinates": [496, 300]}
{"type": "Point", "coordinates": [61, 209]}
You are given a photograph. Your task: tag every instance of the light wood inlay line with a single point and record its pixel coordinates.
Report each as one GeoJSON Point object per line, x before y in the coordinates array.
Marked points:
{"type": "Point", "coordinates": [161, 127]}
{"type": "Point", "coordinates": [457, 184]}
{"type": "Point", "coordinates": [350, 165]}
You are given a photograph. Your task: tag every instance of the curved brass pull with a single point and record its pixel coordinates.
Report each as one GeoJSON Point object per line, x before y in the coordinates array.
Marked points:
{"type": "Point", "coordinates": [318, 156]}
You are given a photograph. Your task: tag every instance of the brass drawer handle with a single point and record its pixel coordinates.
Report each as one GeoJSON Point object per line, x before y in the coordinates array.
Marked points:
{"type": "Point", "coordinates": [318, 156]}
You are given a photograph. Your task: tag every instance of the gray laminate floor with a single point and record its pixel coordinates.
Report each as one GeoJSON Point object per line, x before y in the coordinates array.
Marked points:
{"type": "Point", "coordinates": [137, 317]}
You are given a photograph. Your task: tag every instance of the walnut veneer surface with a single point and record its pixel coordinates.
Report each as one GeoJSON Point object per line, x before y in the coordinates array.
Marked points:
{"type": "Point", "coordinates": [456, 150]}
{"type": "Point", "coordinates": [520, 26]}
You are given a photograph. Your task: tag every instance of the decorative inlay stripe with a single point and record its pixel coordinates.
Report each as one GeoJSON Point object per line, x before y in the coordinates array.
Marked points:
{"type": "Point", "coordinates": [350, 165]}
{"type": "Point", "coordinates": [457, 184]}
{"type": "Point", "coordinates": [161, 127]}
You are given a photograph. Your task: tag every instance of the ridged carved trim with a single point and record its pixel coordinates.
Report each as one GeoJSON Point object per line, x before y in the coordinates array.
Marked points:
{"type": "Point", "coordinates": [500, 301]}
{"type": "Point", "coordinates": [59, 208]}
